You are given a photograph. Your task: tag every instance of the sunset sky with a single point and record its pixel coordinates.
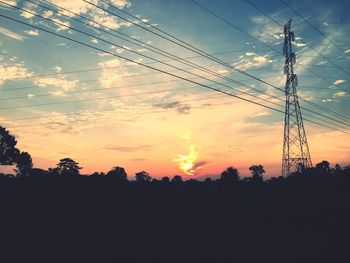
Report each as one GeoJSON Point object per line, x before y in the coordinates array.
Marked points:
{"type": "Point", "coordinates": [62, 99]}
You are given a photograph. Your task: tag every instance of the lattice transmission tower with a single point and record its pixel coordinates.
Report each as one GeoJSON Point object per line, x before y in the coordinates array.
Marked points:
{"type": "Point", "coordinates": [296, 154]}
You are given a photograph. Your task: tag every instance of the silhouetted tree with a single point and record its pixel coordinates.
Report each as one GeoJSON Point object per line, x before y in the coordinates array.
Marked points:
{"type": "Point", "coordinates": [96, 174]}
{"type": "Point", "coordinates": [118, 172]}
{"type": "Point", "coordinates": [8, 150]}
{"type": "Point", "coordinates": [323, 168]}
{"type": "Point", "coordinates": [24, 164]}
{"type": "Point", "coordinates": [37, 172]}
{"type": "Point", "coordinates": [231, 174]}
{"type": "Point", "coordinates": [208, 180]}
{"type": "Point", "coordinates": [165, 180]}
{"type": "Point", "coordinates": [68, 167]}
{"type": "Point", "coordinates": [176, 179]}
{"type": "Point", "coordinates": [143, 177]}
{"type": "Point", "coordinates": [257, 172]}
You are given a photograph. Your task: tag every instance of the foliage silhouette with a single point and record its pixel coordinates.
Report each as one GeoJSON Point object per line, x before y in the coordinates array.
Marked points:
{"type": "Point", "coordinates": [143, 177]}
{"type": "Point", "coordinates": [118, 172]}
{"type": "Point", "coordinates": [24, 164]}
{"type": "Point", "coordinates": [59, 216]}
{"type": "Point", "coordinates": [67, 167]}
{"type": "Point", "coordinates": [257, 172]}
{"type": "Point", "coordinates": [8, 150]}
{"type": "Point", "coordinates": [177, 179]}
{"type": "Point", "coordinates": [231, 174]}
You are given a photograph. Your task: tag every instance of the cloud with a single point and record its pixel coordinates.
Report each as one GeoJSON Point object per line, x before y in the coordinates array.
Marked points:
{"type": "Point", "coordinates": [180, 108]}
{"type": "Point", "coordinates": [266, 31]}
{"type": "Point", "coordinates": [64, 24]}
{"type": "Point", "coordinates": [109, 76]}
{"type": "Point", "coordinates": [27, 15]}
{"type": "Point", "coordinates": [339, 81]}
{"type": "Point", "coordinates": [11, 34]}
{"type": "Point", "coordinates": [251, 60]}
{"type": "Point", "coordinates": [121, 3]}
{"type": "Point", "coordinates": [137, 148]}
{"type": "Point", "coordinates": [299, 44]}
{"type": "Point", "coordinates": [340, 94]}
{"type": "Point", "coordinates": [12, 70]}
{"type": "Point", "coordinates": [58, 82]}
{"type": "Point", "coordinates": [32, 32]}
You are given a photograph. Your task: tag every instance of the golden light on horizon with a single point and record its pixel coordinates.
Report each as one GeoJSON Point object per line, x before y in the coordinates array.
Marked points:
{"type": "Point", "coordinates": [188, 163]}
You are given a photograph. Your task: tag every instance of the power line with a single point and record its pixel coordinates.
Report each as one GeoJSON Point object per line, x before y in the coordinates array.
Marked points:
{"type": "Point", "coordinates": [155, 59]}
{"type": "Point", "coordinates": [214, 73]}
{"type": "Point", "coordinates": [163, 63]}
{"type": "Point", "coordinates": [205, 54]}
{"type": "Point", "coordinates": [106, 41]}
{"type": "Point", "coordinates": [346, 118]}
{"type": "Point", "coordinates": [157, 69]}
{"type": "Point", "coordinates": [245, 32]}
{"type": "Point", "coordinates": [314, 27]}
{"type": "Point", "coordinates": [136, 62]}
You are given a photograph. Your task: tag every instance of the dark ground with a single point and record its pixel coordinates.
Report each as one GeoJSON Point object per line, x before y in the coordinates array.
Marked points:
{"type": "Point", "coordinates": [85, 219]}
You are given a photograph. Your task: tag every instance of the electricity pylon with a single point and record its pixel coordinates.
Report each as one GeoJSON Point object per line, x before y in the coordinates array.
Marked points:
{"type": "Point", "coordinates": [296, 154]}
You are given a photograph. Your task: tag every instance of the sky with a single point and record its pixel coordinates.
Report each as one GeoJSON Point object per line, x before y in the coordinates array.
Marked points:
{"type": "Point", "coordinates": [64, 99]}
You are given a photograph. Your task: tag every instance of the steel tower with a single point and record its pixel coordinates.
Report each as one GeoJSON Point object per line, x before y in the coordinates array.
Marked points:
{"type": "Point", "coordinates": [296, 155]}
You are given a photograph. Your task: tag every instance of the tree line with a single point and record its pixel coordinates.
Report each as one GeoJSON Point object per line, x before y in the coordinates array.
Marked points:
{"type": "Point", "coordinates": [67, 167]}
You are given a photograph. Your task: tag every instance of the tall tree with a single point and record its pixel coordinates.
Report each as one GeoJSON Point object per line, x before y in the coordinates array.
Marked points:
{"type": "Point", "coordinates": [68, 167]}
{"type": "Point", "coordinates": [177, 179]}
{"type": "Point", "coordinates": [231, 174]}
{"type": "Point", "coordinates": [118, 172]}
{"type": "Point", "coordinates": [8, 150]}
{"type": "Point", "coordinates": [143, 177]}
{"type": "Point", "coordinates": [24, 164]}
{"type": "Point", "coordinates": [257, 172]}
{"type": "Point", "coordinates": [323, 168]}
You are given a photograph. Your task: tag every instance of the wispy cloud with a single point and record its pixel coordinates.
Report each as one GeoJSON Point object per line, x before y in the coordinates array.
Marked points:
{"type": "Point", "coordinates": [11, 34]}
{"type": "Point", "coordinates": [251, 60]}
{"type": "Point", "coordinates": [11, 69]}
{"type": "Point", "coordinates": [339, 81]}
{"type": "Point", "coordinates": [137, 148]}
{"type": "Point", "coordinates": [340, 94]}
{"type": "Point", "coordinates": [180, 108]}
{"type": "Point", "coordinates": [57, 82]}
{"type": "Point", "coordinates": [32, 32]}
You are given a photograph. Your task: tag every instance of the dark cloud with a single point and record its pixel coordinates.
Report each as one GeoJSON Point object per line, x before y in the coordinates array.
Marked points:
{"type": "Point", "coordinates": [137, 148]}
{"type": "Point", "coordinates": [196, 167]}
{"type": "Point", "coordinates": [180, 108]}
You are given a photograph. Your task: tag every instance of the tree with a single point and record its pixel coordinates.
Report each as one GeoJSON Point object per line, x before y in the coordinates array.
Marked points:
{"type": "Point", "coordinates": [177, 179]}
{"type": "Point", "coordinates": [165, 180]}
{"type": "Point", "coordinates": [24, 164]}
{"type": "Point", "coordinates": [118, 172]}
{"type": "Point", "coordinates": [37, 172]}
{"type": "Point", "coordinates": [8, 151]}
{"type": "Point", "coordinates": [143, 177]}
{"type": "Point", "coordinates": [257, 172]}
{"type": "Point", "coordinates": [231, 174]}
{"type": "Point", "coordinates": [337, 169]}
{"type": "Point", "coordinates": [323, 168]}
{"type": "Point", "coordinates": [68, 167]}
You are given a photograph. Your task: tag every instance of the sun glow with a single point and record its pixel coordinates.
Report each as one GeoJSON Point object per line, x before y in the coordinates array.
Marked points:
{"type": "Point", "coordinates": [188, 163]}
